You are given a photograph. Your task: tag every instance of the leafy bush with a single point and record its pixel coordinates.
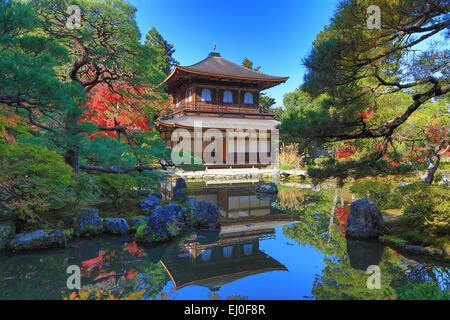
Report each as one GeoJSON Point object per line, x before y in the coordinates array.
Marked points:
{"type": "Point", "coordinates": [83, 187]}
{"type": "Point", "coordinates": [120, 186]}
{"type": "Point", "coordinates": [419, 291]}
{"type": "Point", "coordinates": [383, 192]}
{"type": "Point", "coordinates": [33, 180]}
{"type": "Point", "coordinates": [426, 214]}
{"type": "Point", "coordinates": [285, 166]}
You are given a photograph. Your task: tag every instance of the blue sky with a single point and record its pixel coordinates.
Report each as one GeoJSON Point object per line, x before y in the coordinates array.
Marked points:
{"type": "Point", "coordinates": [274, 34]}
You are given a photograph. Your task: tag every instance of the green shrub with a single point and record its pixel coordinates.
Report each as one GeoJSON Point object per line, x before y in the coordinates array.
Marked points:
{"type": "Point", "coordinates": [426, 215]}
{"type": "Point", "coordinates": [69, 233]}
{"type": "Point", "coordinates": [33, 180]}
{"type": "Point", "coordinates": [422, 291]}
{"type": "Point", "coordinates": [382, 191]}
{"type": "Point", "coordinates": [320, 161]}
{"type": "Point", "coordinates": [284, 166]}
{"type": "Point", "coordinates": [83, 187]}
{"type": "Point", "coordinates": [120, 186]}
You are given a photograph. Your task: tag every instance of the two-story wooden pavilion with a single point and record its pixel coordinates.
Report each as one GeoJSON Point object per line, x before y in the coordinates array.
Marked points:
{"type": "Point", "coordinates": [221, 95]}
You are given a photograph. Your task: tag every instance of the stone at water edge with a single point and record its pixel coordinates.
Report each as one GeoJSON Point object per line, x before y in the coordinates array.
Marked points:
{"type": "Point", "coordinates": [7, 232]}
{"type": "Point", "coordinates": [365, 220]}
{"type": "Point", "coordinates": [180, 190]}
{"type": "Point", "coordinates": [88, 223]}
{"type": "Point", "coordinates": [204, 214]}
{"type": "Point", "coordinates": [157, 194]}
{"type": "Point", "coordinates": [163, 224]}
{"type": "Point", "coordinates": [116, 225]}
{"type": "Point", "coordinates": [149, 203]}
{"type": "Point", "coordinates": [180, 194]}
{"type": "Point", "coordinates": [266, 188]}
{"type": "Point", "coordinates": [180, 184]}
{"type": "Point", "coordinates": [136, 221]}
{"type": "Point", "coordinates": [41, 239]}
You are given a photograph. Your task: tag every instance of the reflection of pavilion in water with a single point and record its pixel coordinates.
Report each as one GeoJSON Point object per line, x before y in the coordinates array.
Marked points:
{"type": "Point", "coordinates": [233, 201]}
{"type": "Point", "coordinates": [214, 259]}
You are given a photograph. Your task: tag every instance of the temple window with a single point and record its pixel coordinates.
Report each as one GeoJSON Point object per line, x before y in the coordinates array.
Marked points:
{"type": "Point", "coordinates": [206, 255]}
{"type": "Point", "coordinates": [248, 98]}
{"type": "Point", "coordinates": [228, 97]}
{"type": "Point", "coordinates": [228, 251]}
{"type": "Point", "coordinates": [189, 95]}
{"type": "Point", "coordinates": [248, 249]}
{"type": "Point", "coordinates": [206, 95]}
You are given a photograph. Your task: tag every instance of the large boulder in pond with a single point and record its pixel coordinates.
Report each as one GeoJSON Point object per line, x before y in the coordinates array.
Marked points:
{"type": "Point", "coordinates": [163, 224]}
{"type": "Point", "coordinates": [180, 184]}
{"type": "Point", "coordinates": [365, 220]}
{"type": "Point", "coordinates": [149, 203]}
{"type": "Point", "coordinates": [204, 214]}
{"type": "Point", "coordinates": [266, 188]}
{"type": "Point", "coordinates": [88, 223]}
{"type": "Point", "coordinates": [116, 226]}
{"type": "Point", "coordinates": [41, 239]}
{"type": "Point", "coordinates": [180, 190]}
{"type": "Point", "coordinates": [363, 254]}
{"type": "Point", "coordinates": [7, 232]}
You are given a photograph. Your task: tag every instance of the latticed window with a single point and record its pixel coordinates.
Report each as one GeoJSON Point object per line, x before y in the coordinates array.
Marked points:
{"type": "Point", "coordinates": [206, 95]}
{"type": "Point", "coordinates": [248, 98]}
{"type": "Point", "coordinates": [206, 254]}
{"type": "Point", "coordinates": [227, 97]}
{"type": "Point", "coordinates": [228, 252]}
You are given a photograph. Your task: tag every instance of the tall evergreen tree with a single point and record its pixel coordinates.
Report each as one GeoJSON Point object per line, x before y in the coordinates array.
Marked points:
{"type": "Point", "coordinates": [265, 102]}
{"type": "Point", "coordinates": [367, 85]}
{"type": "Point", "coordinates": [48, 69]}
{"type": "Point", "coordinates": [165, 60]}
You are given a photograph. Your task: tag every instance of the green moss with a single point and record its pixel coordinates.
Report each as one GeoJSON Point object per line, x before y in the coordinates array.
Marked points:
{"type": "Point", "coordinates": [69, 233]}
{"type": "Point", "coordinates": [173, 230]}
{"type": "Point", "coordinates": [393, 239]}
{"type": "Point", "coordinates": [284, 166]}
{"type": "Point", "coordinates": [140, 233]}
{"type": "Point", "coordinates": [90, 231]}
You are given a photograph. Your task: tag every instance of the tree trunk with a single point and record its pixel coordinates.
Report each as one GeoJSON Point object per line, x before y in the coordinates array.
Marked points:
{"type": "Point", "coordinates": [71, 158]}
{"type": "Point", "coordinates": [428, 177]}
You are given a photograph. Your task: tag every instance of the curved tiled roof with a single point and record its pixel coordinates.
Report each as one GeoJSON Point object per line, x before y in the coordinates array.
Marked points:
{"type": "Point", "coordinates": [215, 64]}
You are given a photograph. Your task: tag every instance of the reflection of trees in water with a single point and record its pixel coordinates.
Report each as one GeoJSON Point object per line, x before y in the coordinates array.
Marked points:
{"type": "Point", "coordinates": [419, 273]}
{"type": "Point", "coordinates": [346, 261]}
{"type": "Point", "coordinates": [119, 268]}
{"type": "Point", "coordinates": [299, 201]}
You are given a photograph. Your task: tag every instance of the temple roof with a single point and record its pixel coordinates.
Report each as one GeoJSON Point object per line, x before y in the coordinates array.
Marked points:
{"type": "Point", "coordinates": [217, 67]}
{"type": "Point", "coordinates": [215, 64]}
{"type": "Point", "coordinates": [220, 123]}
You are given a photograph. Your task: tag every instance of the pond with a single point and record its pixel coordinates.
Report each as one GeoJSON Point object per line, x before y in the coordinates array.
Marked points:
{"type": "Point", "coordinates": [267, 248]}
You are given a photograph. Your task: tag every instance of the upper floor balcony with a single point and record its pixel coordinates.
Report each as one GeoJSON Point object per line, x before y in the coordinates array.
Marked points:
{"type": "Point", "coordinates": [231, 110]}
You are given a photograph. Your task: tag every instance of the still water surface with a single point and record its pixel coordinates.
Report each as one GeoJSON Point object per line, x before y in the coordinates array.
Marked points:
{"type": "Point", "coordinates": [267, 248]}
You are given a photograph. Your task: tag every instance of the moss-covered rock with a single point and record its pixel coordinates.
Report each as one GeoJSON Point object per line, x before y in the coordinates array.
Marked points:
{"type": "Point", "coordinates": [116, 226]}
{"type": "Point", "coordinates": [41, 239]}
{"type": "Point", "coordinates": [203, 214]}
{"type": "Point", "coordinates": [149, 203]}
{"type": "Point", "coordinates": [88, 223]}
{"type": "Point", "coordinates": [180, 190]}
{"type": "Point", "coordinates": [7, 232]}
{"type": "Point", "coordinates": [164, 224]}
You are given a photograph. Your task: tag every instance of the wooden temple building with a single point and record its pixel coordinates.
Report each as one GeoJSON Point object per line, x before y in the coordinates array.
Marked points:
{"type": "Point", "coordinates": [221, 95]}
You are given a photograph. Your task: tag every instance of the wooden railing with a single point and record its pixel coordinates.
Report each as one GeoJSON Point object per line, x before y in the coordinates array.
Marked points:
{"type": "Point", "coordinates": [215, 108]}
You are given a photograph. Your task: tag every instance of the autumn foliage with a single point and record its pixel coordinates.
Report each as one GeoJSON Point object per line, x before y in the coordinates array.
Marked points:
{"type": "Point", "coordinates": [106, 108]}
